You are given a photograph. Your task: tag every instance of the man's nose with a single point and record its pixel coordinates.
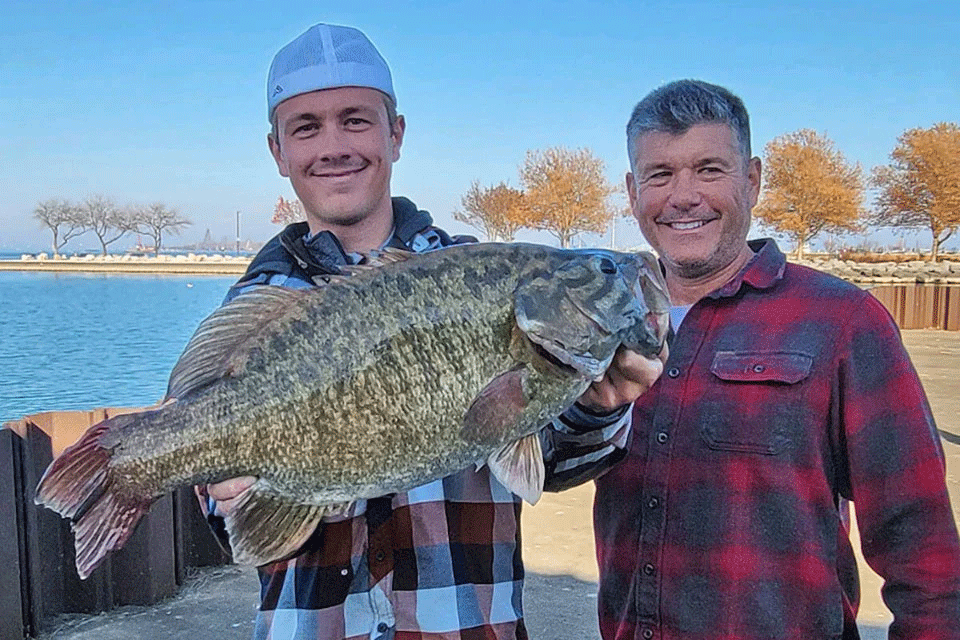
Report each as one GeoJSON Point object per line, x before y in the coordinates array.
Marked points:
{"type": "Point", "coordinates": [685, 193]}
{"type": "Point", "coordinates": [333, 146]}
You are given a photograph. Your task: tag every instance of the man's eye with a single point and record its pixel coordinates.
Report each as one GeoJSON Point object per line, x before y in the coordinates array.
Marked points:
{"type": "Point", "coordinates": [660, 177]}
{"type": "Point", "coordinates": [356, 123]}
{"type": "Point", "coordinates": [305, 129]}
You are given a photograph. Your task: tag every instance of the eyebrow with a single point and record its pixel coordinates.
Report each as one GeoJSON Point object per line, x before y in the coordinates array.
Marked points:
{"type": "Point", "coordinates": [652, 168]}
{"type": "Point", "coordinates": [346, 112]}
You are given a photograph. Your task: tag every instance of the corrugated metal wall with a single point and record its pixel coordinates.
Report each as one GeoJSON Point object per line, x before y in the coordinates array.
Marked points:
{"type": "Point", "coordinates": [922, 306]}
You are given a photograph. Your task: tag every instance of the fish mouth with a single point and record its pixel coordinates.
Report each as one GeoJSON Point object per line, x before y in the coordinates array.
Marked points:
{"type": "Point", "coordinates": [571, 364]}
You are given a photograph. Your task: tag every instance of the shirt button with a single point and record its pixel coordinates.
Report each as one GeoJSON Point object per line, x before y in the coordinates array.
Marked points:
{"type": "Point", "coordinates": [662, 437]}
{"type": "Point", "coordinates": [649, 569]}
{"type": "Point", "coordinates": [379, 555]}
{"type": "Point", "coordinates": [759, 368]}
{"type": "Point", "coordinates": [647, 633]}
{"type": "Point", "coordinates": [654, 502]}
{"type": "Point", "coordinates": [673, 372]}
{"type": "Point", "coordinates": [382, 627]}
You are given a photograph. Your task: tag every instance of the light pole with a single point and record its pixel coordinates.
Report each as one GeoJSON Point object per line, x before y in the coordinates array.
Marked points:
{"type": "Point", "coordinates": [238, 233]}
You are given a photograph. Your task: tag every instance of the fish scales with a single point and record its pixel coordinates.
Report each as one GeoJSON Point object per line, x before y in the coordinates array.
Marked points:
{"type": "Point", "coordinates": [375, 383]}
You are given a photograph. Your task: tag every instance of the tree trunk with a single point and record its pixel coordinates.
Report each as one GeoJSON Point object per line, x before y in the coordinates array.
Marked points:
{"type": "Point", "coordinates": [801, 240]}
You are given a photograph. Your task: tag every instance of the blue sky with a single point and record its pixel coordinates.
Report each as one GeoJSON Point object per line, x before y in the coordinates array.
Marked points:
{"type": "Point", "coordinates": [164, 101]}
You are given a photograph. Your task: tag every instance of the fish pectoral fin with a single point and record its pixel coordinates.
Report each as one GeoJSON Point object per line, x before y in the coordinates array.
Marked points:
{"type": "Point", "coordinates": [519, 467]}
{"type": "Point", "coordinates": [265, 527]}
{"type": "Point", "coordinates": [497, 408]}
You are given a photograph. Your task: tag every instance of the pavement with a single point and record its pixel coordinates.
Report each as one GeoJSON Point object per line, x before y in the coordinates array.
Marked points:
{"type": "Point", "coordinates": [560, 595]}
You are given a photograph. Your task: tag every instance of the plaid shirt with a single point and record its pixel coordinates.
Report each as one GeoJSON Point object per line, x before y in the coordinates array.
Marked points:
{"type": "Point", "coordinates": [439, 562]}
{"type": "Point", "coordinates": [787, 391]}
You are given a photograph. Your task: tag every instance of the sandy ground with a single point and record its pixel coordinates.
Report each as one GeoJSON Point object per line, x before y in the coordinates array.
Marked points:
{"type": "Point", "coordinates": [560, 596]}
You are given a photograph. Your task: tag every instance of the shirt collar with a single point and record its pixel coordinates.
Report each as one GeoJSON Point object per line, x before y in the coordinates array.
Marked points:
{"type": "Point", "coordinates": [764, 269]}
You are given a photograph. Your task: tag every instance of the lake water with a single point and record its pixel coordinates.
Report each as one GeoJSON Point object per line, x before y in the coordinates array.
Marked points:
{"type": "Point", "coordinates": [81, 341]}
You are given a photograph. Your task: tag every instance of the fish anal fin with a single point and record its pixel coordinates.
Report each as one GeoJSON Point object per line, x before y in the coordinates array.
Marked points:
{"type": "Point", "coordinates": [497, 408]}
{"type": "Point", "coordinates": [519, 467]}
{"type": "Point", "coordinates": [221, 343]}
{"type": "Point", "coordinates": [265, 527]}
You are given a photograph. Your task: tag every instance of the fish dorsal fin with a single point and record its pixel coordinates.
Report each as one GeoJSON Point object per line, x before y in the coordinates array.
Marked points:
{"type": "Point", "coordinates": [219, 346]}
{"type": "Point", "coordinates": [265, 526]}
{"type": "Point", "coordinates": [519, 467]}
{"type": "Point", "coordinates": [375, 259]}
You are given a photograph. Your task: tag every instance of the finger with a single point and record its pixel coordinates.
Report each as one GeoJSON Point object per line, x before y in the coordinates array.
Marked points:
{"type": "Point", "coordinates": [231, 488]}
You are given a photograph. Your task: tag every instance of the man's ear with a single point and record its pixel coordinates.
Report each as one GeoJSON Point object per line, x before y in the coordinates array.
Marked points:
{"type": "Point", "coordinates": [753, 176]}
{"type": "Point", "coordinates": [277, 154]}
{"type": "Point", "coordinates": [397, 136]}
{"type": "Point", "coordinates": [631, 190]}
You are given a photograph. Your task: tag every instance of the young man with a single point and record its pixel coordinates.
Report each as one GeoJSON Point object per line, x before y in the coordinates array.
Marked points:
{"type": "Point", "coordinates": [787, 392]}
{"type": "Point", "coordinates": [441, 561]}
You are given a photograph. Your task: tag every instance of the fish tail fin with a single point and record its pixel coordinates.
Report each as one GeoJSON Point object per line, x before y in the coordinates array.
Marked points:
{"type": "Point", "coordinates": [78, 485]}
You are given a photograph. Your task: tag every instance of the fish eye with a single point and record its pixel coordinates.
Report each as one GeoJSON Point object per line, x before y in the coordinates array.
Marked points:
{"type": "Point", "coordinates": [608, 266]}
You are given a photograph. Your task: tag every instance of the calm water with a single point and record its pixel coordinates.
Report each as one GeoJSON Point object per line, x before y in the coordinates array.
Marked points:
{"type": "Point", "coordinates": [80, 341]}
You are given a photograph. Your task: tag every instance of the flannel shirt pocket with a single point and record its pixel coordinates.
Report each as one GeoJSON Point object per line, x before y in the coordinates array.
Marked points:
{"type": "Point", "coordinates": [757, 407]}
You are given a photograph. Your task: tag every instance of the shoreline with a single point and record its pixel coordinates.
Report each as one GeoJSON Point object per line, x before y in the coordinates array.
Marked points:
{"type": "Point", "coordinates": [188, 264]}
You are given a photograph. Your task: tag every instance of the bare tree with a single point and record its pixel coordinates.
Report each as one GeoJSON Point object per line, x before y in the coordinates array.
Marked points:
{"type": "Point", "coordinates": [105, 219]}
{"type": "Point", "coordinates": [153, 219]}
{"type": "Point", "coordinates": [61, 218]}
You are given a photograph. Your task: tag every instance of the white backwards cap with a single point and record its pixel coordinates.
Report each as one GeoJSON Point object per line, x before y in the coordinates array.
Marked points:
{"type": "Point", "coordinates": [326, 56]}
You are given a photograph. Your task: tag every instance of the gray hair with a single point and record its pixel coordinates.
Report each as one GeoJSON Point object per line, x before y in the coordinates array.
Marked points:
{"type": "Point", "coordinates": [388, 103]}
{"type": "Point", "coordinates": [677, 106]}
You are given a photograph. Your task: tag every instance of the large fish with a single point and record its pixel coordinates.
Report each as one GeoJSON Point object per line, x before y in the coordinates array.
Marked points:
{"type": "Point", "coordinates": [373, 383]}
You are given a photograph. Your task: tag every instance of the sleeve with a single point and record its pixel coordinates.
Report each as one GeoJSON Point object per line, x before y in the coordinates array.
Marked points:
{"type": "Point", "coordinates": [580, 445]}
{"type": "Point", "coordinates": [895, 472]}
{"type": "Point", "coordinates": [208, 507]}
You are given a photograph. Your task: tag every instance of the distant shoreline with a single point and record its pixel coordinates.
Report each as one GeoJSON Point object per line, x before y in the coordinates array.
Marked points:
{"type": "Point", "coordinates": [189, 264]}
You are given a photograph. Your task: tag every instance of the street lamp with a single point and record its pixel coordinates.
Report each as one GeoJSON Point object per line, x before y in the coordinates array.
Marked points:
{"type": "Point", "coordinates": [238, 233]}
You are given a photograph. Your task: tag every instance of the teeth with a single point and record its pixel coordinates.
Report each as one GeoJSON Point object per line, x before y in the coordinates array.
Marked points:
{"type": "Point", "coordinates": [684, 226]}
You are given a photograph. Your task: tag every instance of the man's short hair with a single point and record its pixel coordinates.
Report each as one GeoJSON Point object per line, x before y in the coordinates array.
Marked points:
{"type": "Point", "coordinates": [677, 106]}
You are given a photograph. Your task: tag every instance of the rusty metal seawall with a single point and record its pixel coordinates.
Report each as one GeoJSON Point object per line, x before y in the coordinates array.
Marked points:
{"type": "Point", "coordinates": [38, 579]}
{"type": "Point", "coordinates": [921, 306]}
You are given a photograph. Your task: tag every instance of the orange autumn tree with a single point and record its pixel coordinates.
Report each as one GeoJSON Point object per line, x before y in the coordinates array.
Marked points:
{"type": "Point", "coordinates": [809, 187]}
{"type": "Point", "coordinates": [920, 188]}
{"type": "Point", "coordinates": [287, 212]}
{"type": "Point", "coordinates": [565, 193]}
{"type": "Point", "coordinates": [496, 211]}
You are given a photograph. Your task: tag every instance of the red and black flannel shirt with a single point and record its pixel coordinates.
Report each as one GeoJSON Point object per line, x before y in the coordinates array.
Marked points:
{"type": "Point", "coordinates": [787, 391]}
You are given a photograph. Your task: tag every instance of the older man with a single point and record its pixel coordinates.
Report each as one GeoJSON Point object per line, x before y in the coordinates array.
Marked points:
{"type": "Point", "coordinates": [787, 392]}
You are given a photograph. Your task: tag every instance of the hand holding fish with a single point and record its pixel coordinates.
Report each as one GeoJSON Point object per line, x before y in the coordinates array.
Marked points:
{"type": "Point", "coordinates": [629, 376]}
{"type": "Point", "coordinates": [227, 493]}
